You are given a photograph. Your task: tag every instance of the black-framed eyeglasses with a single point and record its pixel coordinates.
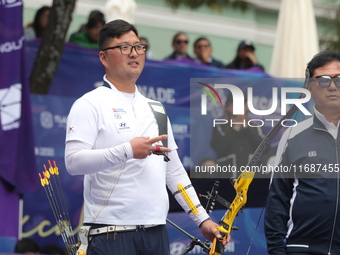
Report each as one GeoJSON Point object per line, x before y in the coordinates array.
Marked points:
{"type": "Point", "coordinates": [126, 49]}
{"type": "Point", "coordinates": [325, 80]}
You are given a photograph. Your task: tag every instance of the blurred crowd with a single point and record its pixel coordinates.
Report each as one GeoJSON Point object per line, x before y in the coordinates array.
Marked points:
{"type": "Point", "coordinates": [87, 36]}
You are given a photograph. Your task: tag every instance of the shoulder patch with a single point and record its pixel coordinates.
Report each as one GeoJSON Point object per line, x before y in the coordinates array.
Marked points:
{"type": "Point", "coordinates": [158, 108]}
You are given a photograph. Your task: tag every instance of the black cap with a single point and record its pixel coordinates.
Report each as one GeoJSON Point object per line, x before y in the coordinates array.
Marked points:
{"type": "Point", "coordinates": [245, 44]}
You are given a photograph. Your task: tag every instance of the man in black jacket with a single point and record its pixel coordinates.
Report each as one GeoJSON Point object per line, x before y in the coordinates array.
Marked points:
{"type": "Point", "coordinates": [302, 212]}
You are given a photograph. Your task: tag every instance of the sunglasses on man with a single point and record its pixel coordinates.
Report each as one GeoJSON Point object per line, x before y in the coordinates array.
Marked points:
{"type": "Point", "coordinates": [325, 80]}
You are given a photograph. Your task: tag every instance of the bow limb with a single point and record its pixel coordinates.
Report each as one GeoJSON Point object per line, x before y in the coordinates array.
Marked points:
{"type": "Point", "coordinates": [241, 184]}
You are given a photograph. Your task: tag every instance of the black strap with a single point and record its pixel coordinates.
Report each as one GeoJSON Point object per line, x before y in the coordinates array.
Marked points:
{"type": "Point", "coordinates": [161, 118]}
{"type": "Point", "coordinates": [106, 85]}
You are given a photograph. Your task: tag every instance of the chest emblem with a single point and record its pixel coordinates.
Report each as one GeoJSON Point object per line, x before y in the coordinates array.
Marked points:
{"type": "Point", "coordinates": [118, 110]}
{"type": "Point", "coordinates": [123, 126]}
{"type": "Point", "coordinates": [117, 113]}
{"type": "Point", "coordinates": [312, 154]}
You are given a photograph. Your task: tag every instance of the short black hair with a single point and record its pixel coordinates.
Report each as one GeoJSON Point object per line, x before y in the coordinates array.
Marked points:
{"type": "Point", "coordinates": [96, 13]}
{"type": "Point", "coordinates": [200, 39]}
{"type": "Point", "coordinates": [114, 29]}
{"type": "Point", "coordinates": [321, 59]}
{"type": "Point", "coordinates": [94, 21]}
{"type": "Point", "coordinates": [230, 98]}
{"type": "Point", "coordinates": [26, 245]}
{"type": "Point", "coordinates": [144, 38]}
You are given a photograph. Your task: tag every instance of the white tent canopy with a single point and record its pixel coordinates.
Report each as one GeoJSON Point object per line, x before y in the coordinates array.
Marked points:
{"type": "Point", "coordinates": [120, 9]}
{"type": "Point", "coordinates": [296, 39]}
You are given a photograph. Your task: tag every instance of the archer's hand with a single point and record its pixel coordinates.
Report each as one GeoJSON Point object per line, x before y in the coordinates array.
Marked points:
{"type": "Point", "coordinates": [142, 146]}
{"type": "Point", "coordinates": [209, 230]}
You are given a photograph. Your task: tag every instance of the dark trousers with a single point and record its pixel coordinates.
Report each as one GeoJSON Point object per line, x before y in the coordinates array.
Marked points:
{"type": "Point", "coordinates": [296, 253]}
{"type": "Point", "coordinates": [300, 253]}
{"type": "Point", "coordinates": [148, 241]}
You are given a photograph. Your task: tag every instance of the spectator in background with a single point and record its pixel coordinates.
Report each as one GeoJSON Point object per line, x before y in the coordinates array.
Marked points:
{"type": "Point", "coordinates": [148, 52]}
{"type": "Point", "coordinates": [27, 246]}
{"type": "Point", "coordinates": [94, 13]}
{"type": "Point", "coordinates": [245, 57]}
{"type": "Point", "coordinates": [89, 37]}
{"type": "Point", "coordinates": [180, 45]}
{"type": "Point", "coordinates": [37, 28]}
{"type": "Point", "coordinates": [203, 52]}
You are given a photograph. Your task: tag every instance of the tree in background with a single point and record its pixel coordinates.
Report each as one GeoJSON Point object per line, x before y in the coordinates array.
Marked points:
{"type": "Point", "coordinates": [51, 48]}
{"type": "Point", "coordinates": [331, 38]}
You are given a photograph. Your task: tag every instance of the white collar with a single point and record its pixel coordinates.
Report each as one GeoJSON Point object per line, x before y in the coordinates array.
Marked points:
{"type": "Point", "coordinates": [129, 95]}
{"type": "Point", "coordinates": [332, 129]}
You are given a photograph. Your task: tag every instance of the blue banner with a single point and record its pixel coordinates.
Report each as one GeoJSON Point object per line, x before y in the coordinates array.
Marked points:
{"type": "Point", "coordinates": [17, 161]}
{"type": "Point", "coordinates": [80, 71]}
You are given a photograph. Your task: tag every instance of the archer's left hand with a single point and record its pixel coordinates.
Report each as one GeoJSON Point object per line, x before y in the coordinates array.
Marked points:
{"type": "Point", "coordinates": [209, 230]}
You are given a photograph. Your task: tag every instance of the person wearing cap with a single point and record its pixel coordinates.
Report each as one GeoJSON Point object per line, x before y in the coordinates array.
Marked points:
{"type": "Point", "coordinates": [245, 57]}
{"type": "Point", "coordinates": [203, 52]}
{"type": "Point", "coordinates": [180, 43]}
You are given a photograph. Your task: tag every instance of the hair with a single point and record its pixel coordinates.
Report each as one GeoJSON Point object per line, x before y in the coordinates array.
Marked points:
{"type": "Point", "coordinates": [321, 59]}
{"type": "Point", "coordinates": [26, 245]}
{"type": "Point", "coordinates": [176, 35]}
{"type": "Point", "coordinates": [144, 38]}
{"type": "Point", "coordinates": [94, 21]}
{"type": "Point", "coordinates": [36, 22]}
{"type": "Point", "coordinates": [200, 39]}
{"type": "Point", "coordinates": [230, 98]}
{"type": "Point", "coordinates": [205, 159]}
{"type": "Point", "coordinates": [96, 13]}
{"type": "Point", "coordinates": [114, 29]}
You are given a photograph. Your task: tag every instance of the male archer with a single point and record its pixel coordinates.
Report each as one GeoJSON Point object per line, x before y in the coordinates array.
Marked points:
{"type": "Point", "coordinates": [113, 140]}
